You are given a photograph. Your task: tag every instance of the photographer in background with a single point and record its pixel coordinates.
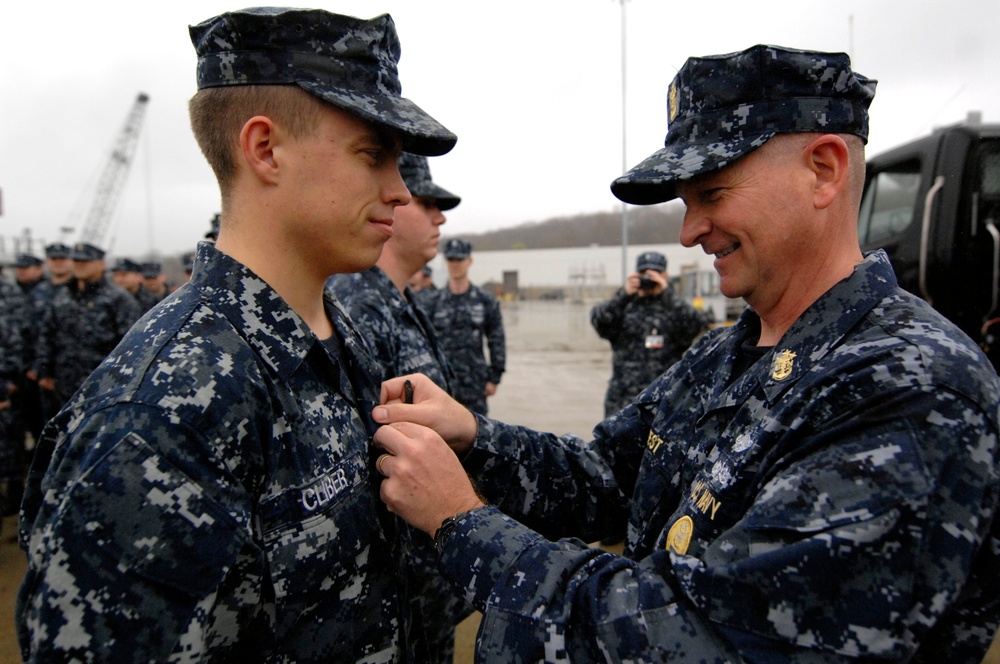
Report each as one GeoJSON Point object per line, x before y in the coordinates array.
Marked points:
{"type": "Point", "coordinates": [649, 327]}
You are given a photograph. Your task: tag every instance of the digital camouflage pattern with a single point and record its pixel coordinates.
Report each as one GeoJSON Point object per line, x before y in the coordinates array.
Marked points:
{"type": "Point", "coordinates": [630, 322]}
{"type": "Point", "coordinates": [57, 250]}
{"type": "Point", "coordinates": [146, 299]}
{"type": "Point", "coordinates": [84, 251]}
{"type": "Point", "coordinates": [463, 323]}
{"type": "Point", "coordinates": [838, 500]}
{"type": "Point", "coordinates": [79, 329]}
{"type": "Point", "coordinates": [345, 61]}
{"type": "Point", "coordinates": [416, 174]}
{"type": "Point", "coordinates": [457, 248]}
{"type": "Point", "coordinates": [402, 341]}
{"type": "Point", "coordinates": [723, 107]}
{"type": "Point", "coordinates": [29, 406]}
{"type": "Point", "coordinates": [207, 494]}
{"type": "Point", "coordinates": [11, 367]}
{"type": "Point", "coordinates": [399, 333]}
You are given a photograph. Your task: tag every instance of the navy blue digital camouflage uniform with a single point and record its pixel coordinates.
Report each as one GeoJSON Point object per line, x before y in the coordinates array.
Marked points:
{"type": "Point", "coordinates": [834, 498]}
{"type": "Point", "coordinates": [253, 532]}
{"type": "Point", "coordinates": [11, 368]}
{"type": "Point", "coordinates": [146, 299]}
{"type": "Point", "coordinates": [399, 332]}
{"type": "Point", "coordinates": [30, 408]}
{"type": "Point", "coordinates": [80, 327]}
{"type": "Point", "coordinates": [463, 322]}
{"type": "Point", "coordinates": [629, 322]}
{"type": "Point", "coordinates": [402, 340]}
{"type": "Point", "coordinates": [834, 501]}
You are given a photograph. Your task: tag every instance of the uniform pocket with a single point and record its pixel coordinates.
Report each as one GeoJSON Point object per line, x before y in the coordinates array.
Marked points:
{"type": "Point", "coordinates": [317, 535]}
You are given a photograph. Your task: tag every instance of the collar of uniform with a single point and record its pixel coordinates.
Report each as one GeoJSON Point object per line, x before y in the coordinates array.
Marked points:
{"type": "Point", "coordinates": [363, 370]}
{"type": "Point", "coordinates": [256, 311]}
{"type": "Point", "coordinates": [825, 322]}
{"type": "Point", "coordinates": [89, 287]}
{"type": "Point", "coordinates": [381, 281]}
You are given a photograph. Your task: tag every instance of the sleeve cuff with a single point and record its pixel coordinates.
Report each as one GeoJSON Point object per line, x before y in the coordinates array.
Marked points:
{"type": "Point", "coordinates": [480, 550]}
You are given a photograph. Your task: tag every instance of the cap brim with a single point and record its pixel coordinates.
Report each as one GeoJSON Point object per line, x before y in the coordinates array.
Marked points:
{"type": "Point", "coordinates": [420, 133]}
{"type": "Point", "coordinates": [655, 179]}
{"type": "Point", "coordinates": [444, 199]}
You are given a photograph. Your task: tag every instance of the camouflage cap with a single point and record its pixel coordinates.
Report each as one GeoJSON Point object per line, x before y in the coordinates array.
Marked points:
{"type": "Point", "coordinates": [346, 61]}
{"type": "Point", "coordinates": [722, 107]}
{"type": "Point", "coordinates": [214, 226]}
{"type": "Point", "coordinates": [427, 270]}
{"type": "Point", "coordinates": [27, 260]}
{"type": "Point", "coordinates": [57, 250]}
{"type": "Point", "coordinates": [83, 251]}
{"type": "Point", "coordinates": [417, 176]}
{"type": "Point", "coordinates": [188, 261]}
{"type": "Point", "coordinates": [125, 265]}
{"type": "Point", "coordinates": [150, 270]}
{"type": "Point", "coordinates": [651, 260]}
{"type": "Point", "coordinates": [455, 249]}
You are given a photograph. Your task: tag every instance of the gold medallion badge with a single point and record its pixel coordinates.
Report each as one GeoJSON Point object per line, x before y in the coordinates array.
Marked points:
{"type": "Point", "coordinates": [679, 537]}
{"type": "Point", "coordinates": [783, 364]}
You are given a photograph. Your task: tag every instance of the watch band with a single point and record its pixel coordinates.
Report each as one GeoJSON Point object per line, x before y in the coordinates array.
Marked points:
{"type": "Point", "coordinates": [442, 534]}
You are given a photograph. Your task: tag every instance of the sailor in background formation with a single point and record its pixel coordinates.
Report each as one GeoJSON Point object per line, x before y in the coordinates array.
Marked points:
{"type": "Point", "coordinates": [12, 451]}
{"type": "Point", "coordinates": [83, 323]}
{"type": "Point", "coordinates": [29, 321]}
{"type": "Point", "coordinates": [127, 274]}
{"type": "Point", "coordinates": [24, 405]}
{"type": "Point", "coordinates": [466, 319]}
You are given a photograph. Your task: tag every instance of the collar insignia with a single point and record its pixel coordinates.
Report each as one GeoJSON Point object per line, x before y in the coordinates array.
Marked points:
{"type": "Point", "coordinates": [782, 365]}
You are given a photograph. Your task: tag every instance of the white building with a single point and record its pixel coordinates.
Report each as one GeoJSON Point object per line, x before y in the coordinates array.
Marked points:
{"type": "Point", "coordinates": [588, 273]}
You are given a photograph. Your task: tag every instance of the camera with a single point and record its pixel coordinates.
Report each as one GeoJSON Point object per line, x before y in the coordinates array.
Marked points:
{"type": "Point", "coordinates": [645, 283]}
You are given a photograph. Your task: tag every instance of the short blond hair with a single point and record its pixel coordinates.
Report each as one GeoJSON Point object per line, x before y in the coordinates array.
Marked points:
{"type": "Point", "coordinates": [218, 115]}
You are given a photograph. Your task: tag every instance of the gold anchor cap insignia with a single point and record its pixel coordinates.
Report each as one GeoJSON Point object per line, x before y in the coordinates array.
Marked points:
{"type": "Point", "coordinates": [783, 364]}
{"type": "Point", "coordinates": [672, 99]}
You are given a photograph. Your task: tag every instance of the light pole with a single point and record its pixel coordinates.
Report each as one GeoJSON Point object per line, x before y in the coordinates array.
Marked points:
{"type": "Point", "coordinates": [624, 150]}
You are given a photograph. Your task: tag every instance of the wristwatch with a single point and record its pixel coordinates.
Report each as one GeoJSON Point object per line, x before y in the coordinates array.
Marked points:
{"type": "Point", "coordinates": [442, 534]}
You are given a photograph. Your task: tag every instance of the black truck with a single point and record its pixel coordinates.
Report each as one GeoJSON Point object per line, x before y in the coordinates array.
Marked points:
{"type": "Point", "coordinates": [934, 205]}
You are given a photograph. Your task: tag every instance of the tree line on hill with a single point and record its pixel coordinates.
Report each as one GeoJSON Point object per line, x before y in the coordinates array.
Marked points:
{"type": "Point", "coordinates": [654, 224]}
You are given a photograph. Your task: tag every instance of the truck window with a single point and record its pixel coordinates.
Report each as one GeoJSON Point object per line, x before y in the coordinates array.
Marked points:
{"type": "Point", "coordinates": [888, 203]}
{"type": "Point", "coordinates": [989, 166]}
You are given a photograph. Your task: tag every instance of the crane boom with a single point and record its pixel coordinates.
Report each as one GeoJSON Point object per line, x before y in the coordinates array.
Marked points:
{"type": "Point", "coordinates": [112, 180]}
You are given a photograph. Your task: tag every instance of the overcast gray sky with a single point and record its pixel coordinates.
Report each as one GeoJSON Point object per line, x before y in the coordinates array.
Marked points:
{"type": "Point", "coordinates": [531, 87]}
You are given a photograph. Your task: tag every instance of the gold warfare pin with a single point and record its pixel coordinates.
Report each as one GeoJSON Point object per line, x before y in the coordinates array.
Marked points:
{"type": "Point", "coordinates": [679, 537]}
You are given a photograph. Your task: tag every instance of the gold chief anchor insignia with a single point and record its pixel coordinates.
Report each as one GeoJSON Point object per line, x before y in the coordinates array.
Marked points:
{"type": "Point", "coordinates": [672, 106]}
{"type": "Point", "coordinates": [782, 367]}
{"type": "Point", "coordinates": [679, 537]}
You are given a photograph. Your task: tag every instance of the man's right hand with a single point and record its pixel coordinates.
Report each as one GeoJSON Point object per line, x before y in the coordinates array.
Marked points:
{"type": "Point", "coordinates": [632, 283]}
{"type": "Point", "coordinates": [432, 407]}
